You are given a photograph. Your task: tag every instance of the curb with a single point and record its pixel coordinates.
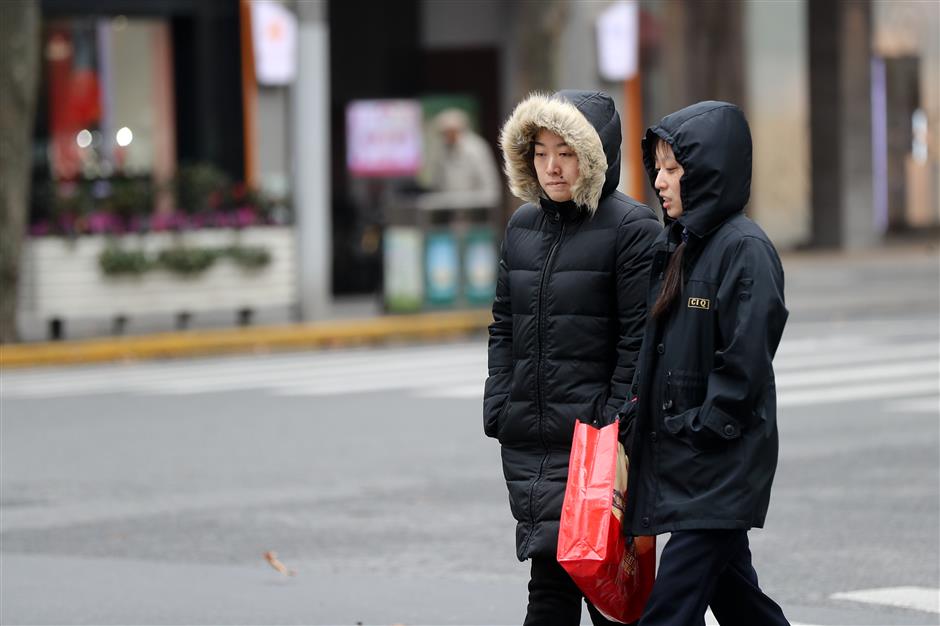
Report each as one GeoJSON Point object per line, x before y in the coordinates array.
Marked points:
{"type": "Point", "coordinates": [424, 326]}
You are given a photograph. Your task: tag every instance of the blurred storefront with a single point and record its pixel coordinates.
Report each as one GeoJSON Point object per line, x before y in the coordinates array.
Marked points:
{"type": "Point", "coordinates": [134, 89]}
{"type": "Point", "coordinates": [842, 98]}
{"type": "Point", "coordinates": [424, 55]}
{"type": "Point", "coordinates": [146, 193]}
{"type": "Point", "coordinates": [154, 108]}
{"type": "Point", "coordinates": [906, 45]}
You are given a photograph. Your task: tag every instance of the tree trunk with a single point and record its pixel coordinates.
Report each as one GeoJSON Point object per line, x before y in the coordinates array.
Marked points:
{"type": "Point", "coordinates": [19, 76]}
{"type": "Point", "coordinates": [714, 51]}
{"type": "Point", "coordinates": [540, 26]}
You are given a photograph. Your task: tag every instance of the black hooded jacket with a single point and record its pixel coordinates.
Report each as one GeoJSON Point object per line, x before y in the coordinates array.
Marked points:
{"type": "Point", "coordinates": [569, 311]}
{"type": "Point", "coordinates": [704, 447]}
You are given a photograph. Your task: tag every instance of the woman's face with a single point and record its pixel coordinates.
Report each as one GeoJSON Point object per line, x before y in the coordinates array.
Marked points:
{"type": "Point", "coordinates": [556, 165]}
{"type": "Point", "coordinates": [668, 173]}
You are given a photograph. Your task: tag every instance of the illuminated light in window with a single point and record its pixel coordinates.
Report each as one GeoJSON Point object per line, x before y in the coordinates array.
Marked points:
{"type": "Point", "coordinates": [124, 136]}
{"type": "Point", "coordinates": [83, 138]}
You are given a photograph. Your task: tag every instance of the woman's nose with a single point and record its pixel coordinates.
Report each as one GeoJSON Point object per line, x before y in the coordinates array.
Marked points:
{"type": "Point", "coordinates": [552, 164]}
{"type": "Point", "coordinates": [660, 181]}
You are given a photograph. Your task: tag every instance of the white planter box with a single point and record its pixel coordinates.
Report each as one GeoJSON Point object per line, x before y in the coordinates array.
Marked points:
{"type": "Point", "coordinates": [61, 278]}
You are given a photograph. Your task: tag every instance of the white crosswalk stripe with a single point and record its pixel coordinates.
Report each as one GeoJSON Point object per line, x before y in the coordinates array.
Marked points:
{"type": "Point", "coordinates": [915, 598]}
{"type": "Point", "coordinates": [822, 363]}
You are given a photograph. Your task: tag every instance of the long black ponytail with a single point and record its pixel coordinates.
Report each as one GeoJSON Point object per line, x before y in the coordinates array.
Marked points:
{"type": "Point", "coordinates": [672, 282]}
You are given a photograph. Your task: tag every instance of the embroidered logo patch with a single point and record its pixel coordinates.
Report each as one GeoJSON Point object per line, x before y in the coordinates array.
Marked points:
{"type": "Point", "coordinates": [699, 303]}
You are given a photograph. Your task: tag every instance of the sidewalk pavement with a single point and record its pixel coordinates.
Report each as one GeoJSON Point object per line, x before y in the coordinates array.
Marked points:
{"type": "Point", "coordinates": [338, 333]}
{"type": "Point", "coordinates": [365, 329]}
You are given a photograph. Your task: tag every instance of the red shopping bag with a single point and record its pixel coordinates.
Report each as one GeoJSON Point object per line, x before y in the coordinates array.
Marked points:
{"type": "Point", "coordinates": [615, 575]}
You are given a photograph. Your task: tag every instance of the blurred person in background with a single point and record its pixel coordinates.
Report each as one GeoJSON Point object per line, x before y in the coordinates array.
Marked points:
{"type": "Point", "coordinates": [701, 426]}
{"type": "Point", "coordinates": [464, 174]}
{"type": "Point", "coordinates": [568, 317]}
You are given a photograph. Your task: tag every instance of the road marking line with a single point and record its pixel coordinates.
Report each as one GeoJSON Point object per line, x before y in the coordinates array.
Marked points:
{"type": "Point", "coordinates": [917, 598]}
{"type": "Point", "coordinates": [815, 378]}
{"type": "Point", "coordinates": [878, 353]}
{"type": "Point", "coordinates": [710, 620]}
{"type": "Point", "coordinates": [459, 371]}
{"type": "Point", "coordinates": [402, 380]}
{"type": "Point", "coordinates": [455, 391]}
{"type": "Point", "coordinates": [851, 393]}
{"type": "Point", "coordinates": [261, 366]}
{"type": "Point", "coordinates": [795, 347]}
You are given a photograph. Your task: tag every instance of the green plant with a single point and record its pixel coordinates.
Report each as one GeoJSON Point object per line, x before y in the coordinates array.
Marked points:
{"type": "Point", "coordinates": [131, 196]}
{"type": "Point", "coordinates": [184, 260]}
{"type": "Point", "coordinates": [116, 262]}
{"type": "Point", "coordinates": [200, 186]}
{"type": "Point", "coordinates": [249, 257]}
{"type": "Point", "coordinates": [187, 261]}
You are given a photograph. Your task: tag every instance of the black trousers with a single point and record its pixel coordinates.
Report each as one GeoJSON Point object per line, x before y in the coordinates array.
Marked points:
{"type": "Point", "coordinates": [702, 568]}
{"type": "Point", "coordinates": [554, 599]}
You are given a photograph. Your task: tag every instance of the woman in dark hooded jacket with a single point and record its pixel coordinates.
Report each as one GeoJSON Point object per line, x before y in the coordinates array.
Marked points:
{"type": "Point", "coordinates": [568, 317]}
{"type": "Point", "coordinates": [701, 425]}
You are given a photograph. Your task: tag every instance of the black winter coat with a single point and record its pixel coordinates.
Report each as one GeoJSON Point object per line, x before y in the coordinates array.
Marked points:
{"type": "Point", "coordinates": [569, 310]}
{"type": "Point", "coordinates": [704, 447]}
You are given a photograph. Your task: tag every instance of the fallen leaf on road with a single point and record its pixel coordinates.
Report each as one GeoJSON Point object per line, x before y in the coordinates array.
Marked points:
{"type": "Point", "coordinates": [271, 558]}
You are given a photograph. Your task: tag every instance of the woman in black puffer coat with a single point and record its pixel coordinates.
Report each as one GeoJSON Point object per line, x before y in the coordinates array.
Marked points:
{"type": "Point", "coordinates": [702, 419]}
{"type": "Point", "coordinates": [568, 316]}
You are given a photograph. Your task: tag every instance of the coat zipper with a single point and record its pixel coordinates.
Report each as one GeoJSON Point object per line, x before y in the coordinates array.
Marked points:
{"type": "Point", "coordinates": [538, 375]}
{"type": "Point", "coordinates": [538, 366]}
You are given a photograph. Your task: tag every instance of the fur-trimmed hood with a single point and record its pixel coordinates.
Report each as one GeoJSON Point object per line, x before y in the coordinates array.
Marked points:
{"type": "Point", "coordinates": [589, 124]}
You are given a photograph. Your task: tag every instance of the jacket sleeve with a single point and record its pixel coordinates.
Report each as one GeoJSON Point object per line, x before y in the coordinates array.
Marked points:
{"type": "Point", "coordinates": [634, 259]}
{"type": "Point", "coordinates": [499, 379]}
{"type": "Point", "coordinates": [751, 317]}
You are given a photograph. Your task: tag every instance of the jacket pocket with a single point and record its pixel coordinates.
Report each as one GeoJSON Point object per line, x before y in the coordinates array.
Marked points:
{"type": "Point", "coordinates": [491, 426]}
{"type": "Point", "coordinates": [684, 390]}
{"type": "Point", "coordinates": [688, 427]}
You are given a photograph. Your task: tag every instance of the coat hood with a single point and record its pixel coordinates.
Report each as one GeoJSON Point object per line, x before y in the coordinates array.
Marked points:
{"type": "Point", "coordinates": [712, 142]}
{"type": "Point", "coordinates": [587, 121]}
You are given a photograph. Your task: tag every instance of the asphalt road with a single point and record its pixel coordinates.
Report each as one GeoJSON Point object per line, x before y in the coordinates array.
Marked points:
{"type": "Point", "coordinates": [148, 493]}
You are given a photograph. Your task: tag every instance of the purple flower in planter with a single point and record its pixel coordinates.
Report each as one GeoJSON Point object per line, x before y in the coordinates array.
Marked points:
{"type": "Point", "coordinates": [167, 221]}
{"type": "Point", "coordinates": [215, 219]}
{"type": "Point", "coordinates": [40, 229]}
{"type": "Point", "coordinates": [245, 216]}
{"type": "Point", "coordinates": [200, 220]}
{"type": "Point", "coordinates": [101, 222]}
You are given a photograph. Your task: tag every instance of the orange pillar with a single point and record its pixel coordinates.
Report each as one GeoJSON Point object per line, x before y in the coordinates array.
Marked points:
{"type": "Point", "coordinates": [249, 95]}
{"type": "Point", "coordinates": [632, 135]}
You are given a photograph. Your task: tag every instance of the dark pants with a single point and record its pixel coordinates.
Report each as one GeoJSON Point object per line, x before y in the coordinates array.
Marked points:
{"type": "Point", "coordinates": [702, 568]}
{"type": "Point", "coordinates": [554, 599]}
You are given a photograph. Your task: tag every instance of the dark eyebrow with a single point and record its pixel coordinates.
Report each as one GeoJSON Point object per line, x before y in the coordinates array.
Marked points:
{"type": "Point", "coordinates": [558, 145]}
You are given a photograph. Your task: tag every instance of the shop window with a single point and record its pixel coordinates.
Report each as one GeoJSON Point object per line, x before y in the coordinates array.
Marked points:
{"type": "Point", "coordinates": [108, 135]}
